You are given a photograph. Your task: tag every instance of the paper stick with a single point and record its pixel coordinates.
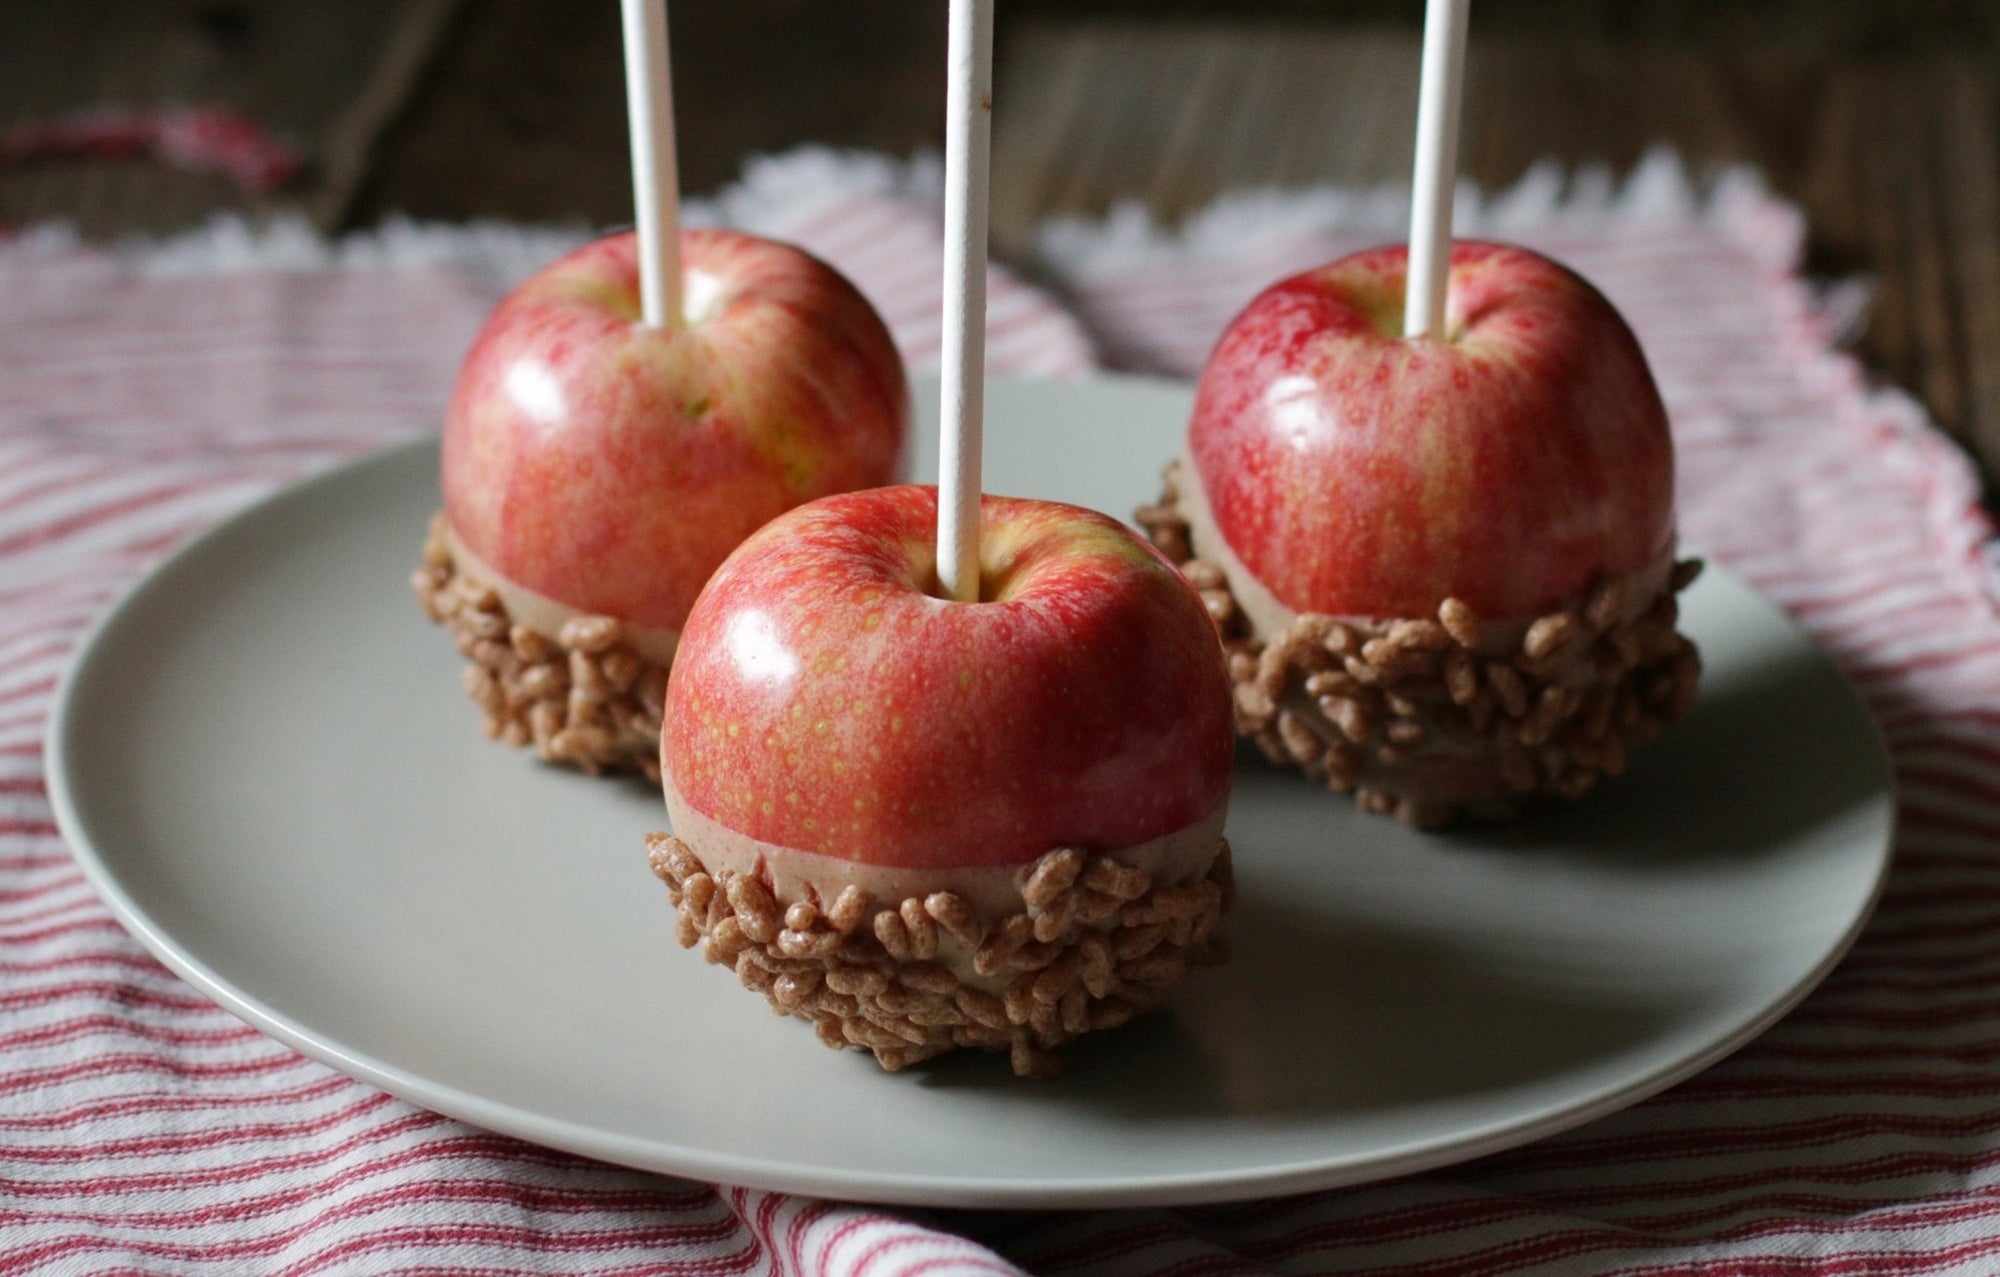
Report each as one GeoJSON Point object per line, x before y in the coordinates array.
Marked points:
{"type": "Point", "coordinates": [1440, 86]}
{"type": "Point", "coordinates": [656, 189]}
{"type": "Point", "coordinates": [968, 120]}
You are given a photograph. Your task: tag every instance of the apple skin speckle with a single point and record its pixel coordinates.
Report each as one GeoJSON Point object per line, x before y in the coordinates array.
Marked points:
{"type": "Point", "coordinates": [1509, 466]}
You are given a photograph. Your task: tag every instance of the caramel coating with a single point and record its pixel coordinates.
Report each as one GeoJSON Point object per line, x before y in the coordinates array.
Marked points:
{"type": "Point", "coordinates": [582, 696]}
{"type": "Point", "coordinates": [1356, 704]}
{"type": "Point", "coordinates": [1094, 943]}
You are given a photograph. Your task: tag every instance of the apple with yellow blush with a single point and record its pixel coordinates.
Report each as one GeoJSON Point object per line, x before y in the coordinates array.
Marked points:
{"type": "Point", "coordinates": [596, 470]}
{"type": "Point", "coordinates": [923, 823]}
{"type": "Point", "coordinates": [1444, 569]}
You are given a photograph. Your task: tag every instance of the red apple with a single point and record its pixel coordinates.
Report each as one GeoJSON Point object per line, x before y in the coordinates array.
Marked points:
{"type": "Point", "coordinates": [1356, 472]}
{"type": "Point", "coordinates": [1442, 569]}
{"type": "Point", "coordinates": [924, 824]}
{"type": "Point", "coordinates": [826, 699]}
{"type": "Point", "coordinates": [611, 467]}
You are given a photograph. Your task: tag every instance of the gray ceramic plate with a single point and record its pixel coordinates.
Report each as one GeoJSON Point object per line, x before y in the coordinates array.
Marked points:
{"type": "Point", "coordinates": [264, 764]}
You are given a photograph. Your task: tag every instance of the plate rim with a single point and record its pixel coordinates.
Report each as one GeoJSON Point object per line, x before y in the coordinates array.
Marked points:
{"type": "Point", "coordinates": [861, 1184]}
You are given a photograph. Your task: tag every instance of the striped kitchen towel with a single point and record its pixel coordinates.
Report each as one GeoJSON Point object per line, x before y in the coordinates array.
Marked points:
{"type": "Point", "coordinates": [146, 393]}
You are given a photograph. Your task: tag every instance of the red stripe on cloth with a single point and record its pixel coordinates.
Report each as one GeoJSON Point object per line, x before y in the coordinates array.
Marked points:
{"type": "Point", "coordinates": [10, 919]}
{"type": "Point", "coordinates": [397, 1121]}
{"type": "Point", "coordinates": [22, 1078]}
{"type": "Point", "coordinates": [175, 997]}
{"type": "Point", "coordinates": [97, 1026]}
{"type": "Point", "coordinates": [570, 1202]}
{"type": "Point", "coordinates": [152, 1146]}
{"type": "Point", "coordinates": [1867, 1263]}
{"type": "Point", "coordinates": [133, 962]}
{"type": "Point", "coordinates": [36, 892]}
{"type": "Point", "coordinates": [12, 938]}
{"type": "Point", "coordinates": [88, 519]}
{"type": "Point", "coordinates": [36, 690]}
{"type": "Point", "coordinates": [97, 1112]}
{"type": "Point", "coordinates": [30, 863]}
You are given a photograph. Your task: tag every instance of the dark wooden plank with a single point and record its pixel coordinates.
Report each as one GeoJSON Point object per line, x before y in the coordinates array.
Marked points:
{"type": "Point", "coordinates": [347, 153]}
{"type": "Point", "coordinates": [1970, 134]}
{"type": "Point", "coordinates": [1857, 27]}
{"type": "Point", "coordinates": [526, 118]}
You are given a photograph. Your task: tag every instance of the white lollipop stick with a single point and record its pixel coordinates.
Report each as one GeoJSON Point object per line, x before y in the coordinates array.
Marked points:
{"type": "Point", "coordinates": [968, 121]}
{"type": "Point", "coordinates": [656, 188]}
{"type": "Point", "coordinates": [1440, 83]}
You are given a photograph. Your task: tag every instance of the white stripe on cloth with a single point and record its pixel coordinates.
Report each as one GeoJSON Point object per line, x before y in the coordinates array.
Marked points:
{"type": "Point", "coordinates": [144, 395]}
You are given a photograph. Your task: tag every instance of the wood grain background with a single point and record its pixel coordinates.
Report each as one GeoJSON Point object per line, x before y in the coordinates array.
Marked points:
{"type": "Point", "coordinates": [1881, 119]}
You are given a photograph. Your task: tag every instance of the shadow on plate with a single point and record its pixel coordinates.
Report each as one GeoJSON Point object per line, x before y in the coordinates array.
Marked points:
{"type": "Point", "coordinates": [1349, 1018]}
{"type": "Point", "coordinates": [1779, 749]}
{"type": "Point", "coordinates": [1357, 1015]}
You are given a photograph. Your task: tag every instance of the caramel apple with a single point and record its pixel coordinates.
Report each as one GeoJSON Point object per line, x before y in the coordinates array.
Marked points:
{"type": "Point", "coordinates": [596, 471]}
{"type": "Point", "coordinates": [924, 824]}
{"type": "Point", "coordinates": [1443, 569]}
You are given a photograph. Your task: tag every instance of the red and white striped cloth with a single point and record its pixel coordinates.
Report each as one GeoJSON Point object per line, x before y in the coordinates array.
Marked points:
{"type": "Point", "coordinates": [143, 1129]}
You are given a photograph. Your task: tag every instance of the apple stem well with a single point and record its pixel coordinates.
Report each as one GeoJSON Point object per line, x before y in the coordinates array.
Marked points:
{"type": "Point", "coordinates": [1440, 87]}
{"type": "Point", "coordinates": [649, 101]}
{"type": "Point", "coordinates": [990, 584]}
{"type": "Point", "coordinates": [962, 389]}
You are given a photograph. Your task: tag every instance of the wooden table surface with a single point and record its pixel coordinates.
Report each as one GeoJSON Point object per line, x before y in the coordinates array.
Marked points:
{"type": "Point", "coordinates": [1881, 120]}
